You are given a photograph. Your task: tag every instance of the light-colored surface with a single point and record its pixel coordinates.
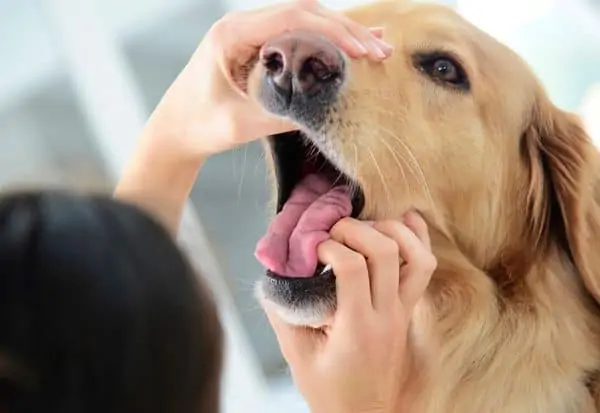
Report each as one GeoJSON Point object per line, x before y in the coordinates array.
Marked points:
{"type": "Point", "coordinates": [561, 41]}
{"type": "Point", "coordinates": [100, 74]}
{"type": "Point", "coordinates": [590, 111]}
{"type": "Point", "coordinates": [501, 18]}
{"type": "Point", "coordinates": [31, 52]}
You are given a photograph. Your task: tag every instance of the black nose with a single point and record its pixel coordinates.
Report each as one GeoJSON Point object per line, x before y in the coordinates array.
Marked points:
{"type": "Point", "coordinates": [301, 63]}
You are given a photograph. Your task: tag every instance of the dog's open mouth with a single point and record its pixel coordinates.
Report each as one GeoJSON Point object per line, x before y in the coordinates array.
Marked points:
{"type": "Point", "coordinates": [313, 195]}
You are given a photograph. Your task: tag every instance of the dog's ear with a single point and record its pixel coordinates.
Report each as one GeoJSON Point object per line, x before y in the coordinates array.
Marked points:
{"type": "Point", "coordinates": [564, 191]}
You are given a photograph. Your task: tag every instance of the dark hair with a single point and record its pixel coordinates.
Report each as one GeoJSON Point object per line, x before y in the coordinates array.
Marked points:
{"type": "Point", "coordinates": [100, 312]}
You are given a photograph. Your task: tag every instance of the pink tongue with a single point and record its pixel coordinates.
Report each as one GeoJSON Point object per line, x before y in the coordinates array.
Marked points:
{"type": "Point", "coordinates": [289, 248]}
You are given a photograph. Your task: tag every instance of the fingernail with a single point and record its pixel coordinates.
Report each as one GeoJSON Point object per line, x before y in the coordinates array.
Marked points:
{"type": "Point", "coordinates": [385, 47]}
{"type": "Point", "coordinates": [408, 213]}
{"type": "Point", "coordinates": [376, 31]}
{"type": "Point", "coordinates": [370, 223]}
{"type": "Point", "coordinates": [379, 53]}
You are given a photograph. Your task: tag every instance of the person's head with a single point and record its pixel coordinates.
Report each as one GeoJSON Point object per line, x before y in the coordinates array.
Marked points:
{"type": "Point", "coordinates": [100, 312]}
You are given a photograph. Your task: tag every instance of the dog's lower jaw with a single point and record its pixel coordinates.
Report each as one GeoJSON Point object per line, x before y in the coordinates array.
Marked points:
{"type": "Point", "coordinates": [316, 315]}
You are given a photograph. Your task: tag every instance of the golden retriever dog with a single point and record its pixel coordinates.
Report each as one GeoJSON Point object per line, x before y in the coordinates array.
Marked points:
{"type": "Point", "coordinates": [457, 126]}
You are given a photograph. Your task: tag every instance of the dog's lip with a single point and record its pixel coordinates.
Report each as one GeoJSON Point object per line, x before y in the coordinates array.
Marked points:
{"type": "Point", "coordinates": [323, 275]}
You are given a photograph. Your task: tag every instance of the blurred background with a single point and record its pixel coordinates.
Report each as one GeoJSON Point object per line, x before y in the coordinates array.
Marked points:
{"type": "Point", "coordinates": [79, 77]}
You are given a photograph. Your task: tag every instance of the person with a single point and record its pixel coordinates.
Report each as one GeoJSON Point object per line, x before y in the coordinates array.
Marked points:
{"type": "Point", "coordinates": [100, 311]}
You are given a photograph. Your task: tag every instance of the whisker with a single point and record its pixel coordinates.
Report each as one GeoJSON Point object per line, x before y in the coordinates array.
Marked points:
{"type": "Point", "coordinates": [354, 168]}
{"type": "Point", "coordinates": [400, 160]}
{"type": "Point", "coordinates": [379, 171]}
{"type": "Point", "coordinates": [419, 171]}
{"type": "Point", "coordinates": [411, 163]}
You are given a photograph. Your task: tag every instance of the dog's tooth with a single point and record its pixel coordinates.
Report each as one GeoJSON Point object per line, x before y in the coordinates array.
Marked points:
{"type": "Point", "coordinates": [326, 268]}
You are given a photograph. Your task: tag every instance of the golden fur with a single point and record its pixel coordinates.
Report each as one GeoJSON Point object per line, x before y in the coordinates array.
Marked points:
{"type": "Point", "coordinates": [509, 186]}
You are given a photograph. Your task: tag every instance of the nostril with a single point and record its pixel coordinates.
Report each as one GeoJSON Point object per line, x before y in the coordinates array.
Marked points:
{"type": "Point", "coordinates": [274, 62]}
{"type": "Point", "coordinates": [315, 73]}
{"type": "Point", "coordinates": [321, 71]}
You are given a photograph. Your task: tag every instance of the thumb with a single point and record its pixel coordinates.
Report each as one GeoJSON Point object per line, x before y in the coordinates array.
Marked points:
{"type": "Point", "coordinates": [266, 122]}
{"type": "Point", "coordinates": [297, 343]}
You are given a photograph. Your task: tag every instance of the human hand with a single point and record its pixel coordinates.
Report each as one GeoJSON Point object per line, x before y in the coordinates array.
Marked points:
{"type": "Point", "coordinates": [357, 364]}
{"type": "Point", "coordinates": [206, 110]}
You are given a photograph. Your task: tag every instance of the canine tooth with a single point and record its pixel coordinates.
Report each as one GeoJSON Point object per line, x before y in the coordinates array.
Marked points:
{"type": "Point", "coordinates": [327, 268]}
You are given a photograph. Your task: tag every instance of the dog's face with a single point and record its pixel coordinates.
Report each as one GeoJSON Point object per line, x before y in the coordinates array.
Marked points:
{"type": "Point", "coordinates": [444, 126]}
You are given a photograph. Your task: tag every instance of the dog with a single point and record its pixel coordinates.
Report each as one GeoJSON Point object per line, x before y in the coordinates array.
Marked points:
{"type": "Point", "coordinates": [457, 126]}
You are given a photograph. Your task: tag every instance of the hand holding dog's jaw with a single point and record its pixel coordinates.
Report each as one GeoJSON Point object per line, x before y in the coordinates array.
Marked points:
{"type": "Point", "coordinates": [357, 359]}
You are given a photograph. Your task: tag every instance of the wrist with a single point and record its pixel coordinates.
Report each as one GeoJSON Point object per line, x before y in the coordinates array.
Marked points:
{"type": "Point", "coordinates": [160, 177]}
{"type": "Point", "coordinates": [168, 133]}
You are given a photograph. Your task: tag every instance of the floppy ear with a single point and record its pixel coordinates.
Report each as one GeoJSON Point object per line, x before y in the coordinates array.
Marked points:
{"type": "Point", "coordinates": [564, 192]}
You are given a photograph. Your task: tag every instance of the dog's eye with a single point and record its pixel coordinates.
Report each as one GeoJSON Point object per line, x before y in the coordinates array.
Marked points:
{"type": "Point", "coordinates": [444, 69]}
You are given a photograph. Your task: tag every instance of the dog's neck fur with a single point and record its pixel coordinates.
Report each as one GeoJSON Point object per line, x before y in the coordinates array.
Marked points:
{"type": "Point", "coordinates": [465, 333]}
{"type": "Point", "coordinates": [491, 277]}
{"type": "Point", "coordinates": [493, 238]}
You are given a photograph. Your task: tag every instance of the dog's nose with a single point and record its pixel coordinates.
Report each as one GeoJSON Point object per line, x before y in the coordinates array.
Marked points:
{"type": "Point", "coordinates": [301, 62]}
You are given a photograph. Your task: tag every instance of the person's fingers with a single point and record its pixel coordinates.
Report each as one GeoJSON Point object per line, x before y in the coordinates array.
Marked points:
{"type": "Point", "coordinates": [351, 277]}
{"type": "Point", "coordinates": [376, 31]}
{"type": "Point", "coordinates": [382, 257]}
{"type": "Point", "coordinates": [419, 262]}
{"type": "Point", "coordinates": [255, 28]}
{"type": "Point", "coordinates": [268, 126]}
{"type": "Point", "coordinates": [369, 37]}
{"type": "Point", "coordinates": [378, 49]}
{"type": "Point", "coordinates": [264, 123]}
{"type": "Point", "coordinates": [415, 278]}
{"type": "Point", "coordinates": [296, 343]}
{"type": "Point", "coordinates": [418, 226]}
{"type": "Point", "coordinates": [332, 29]}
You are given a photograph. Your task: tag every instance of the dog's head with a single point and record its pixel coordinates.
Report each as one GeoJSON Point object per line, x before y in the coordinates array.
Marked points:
{"type": "Point", "coordinates": [454, 124]}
